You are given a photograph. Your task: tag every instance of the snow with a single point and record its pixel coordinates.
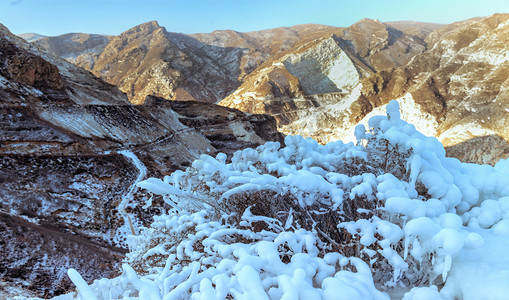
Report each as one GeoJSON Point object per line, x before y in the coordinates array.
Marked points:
{"type": "Point", "coordinates": [129, 226]}
{"type": "Point", "coordinates": [83, 288]}
{"type": "Point", "coordinates": [481, 272]}
{"type": "Point", "coordinates": [423, 223]}
{"type": "Point", "coordinates": [410, 112]}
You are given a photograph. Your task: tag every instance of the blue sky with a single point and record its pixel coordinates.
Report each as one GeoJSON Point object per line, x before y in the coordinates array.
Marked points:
{"type": "Point", "coordinates": [53, 17]}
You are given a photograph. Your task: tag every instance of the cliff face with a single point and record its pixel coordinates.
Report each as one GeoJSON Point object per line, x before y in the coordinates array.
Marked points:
{"type": "Point", "coordinates": [265, 44]}
{"type": "Point", "coordinates": [72, 146]}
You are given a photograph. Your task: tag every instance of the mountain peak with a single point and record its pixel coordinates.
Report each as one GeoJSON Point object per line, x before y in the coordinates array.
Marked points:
{"type": "Point", "coordinates": [368, 20]}
{"type": "Point", "coordinates": [147, 28]}
{"type": "Point", "coordinates": [368, 24]}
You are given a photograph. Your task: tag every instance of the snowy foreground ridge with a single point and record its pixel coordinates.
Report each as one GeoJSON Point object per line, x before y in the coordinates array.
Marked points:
{"type": "Point", "coordinates": [388, 216]}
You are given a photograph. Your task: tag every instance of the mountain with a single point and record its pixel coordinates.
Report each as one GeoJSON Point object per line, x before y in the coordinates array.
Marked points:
{"type": "Point", "coordinates": [461, 82]}
{"type": "Point", "coordinates": [416, 29]}
{"type": "Point", "coordinates": [148, 60]}
{"type": "Point", "coordinates": [31, 37]}
{"type": "Point", "coordinates": [300, 84]}
{"type": "Point", "coordinates": [72, 150]}
{"type": "Point", "coordinates": [264, 44]}
{"type": "Point", "coordinates": [81, 49]}
{"type": "Point", "coordinates": [453, 84]}
{"type": "Point", "coordinates": [319, 81]}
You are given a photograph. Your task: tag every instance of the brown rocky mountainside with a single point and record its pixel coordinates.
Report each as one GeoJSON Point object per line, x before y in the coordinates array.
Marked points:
{"type": "Point", "coordinates": [31, 37]}
{"type": "Point", "coordinates": [265, 44]}
{"type": "Point", "coordinates": [71, 149]}
{"type": "Point", "coordinates": [148, 60]}
{"type": "Point", "coordinates": [454, 84]}
{"type": "Point", "coordinates": [462, 81]}
{"type": "Point", "coordinates": [417, 29]}
{"type": "Point", "coordinates": [299, 83]}
{"type": "Point", "coordinates": [319, 80]}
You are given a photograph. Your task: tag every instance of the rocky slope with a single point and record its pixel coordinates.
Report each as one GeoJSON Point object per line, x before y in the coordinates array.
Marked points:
{"type": "Point", "coordinates": [320, 80]}
{"type": "Point", "coordinates": [148, 60]}
{"type": "Point", "coordinates": [417, 29]}
{"type": "Point", "coordinates": [81, 49]}
{"type": "Point", "coordinates": [69, 153]}
{"type": "Point", "coordinates": [31, 37]}
{"type": "Point", "coordinates": [265, 44]}
{"type": "Point", "coordinates": [453, 85]}
{"type": "Point", "coordinates": [462, 81]}
{"type": "Point", "coordinates": [301, 84]}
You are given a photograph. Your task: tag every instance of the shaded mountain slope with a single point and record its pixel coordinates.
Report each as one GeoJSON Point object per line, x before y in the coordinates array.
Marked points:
{"type": "Point", "coordinates": [81, 49]}
{"type": "Point", "coordinates": [413, 28]}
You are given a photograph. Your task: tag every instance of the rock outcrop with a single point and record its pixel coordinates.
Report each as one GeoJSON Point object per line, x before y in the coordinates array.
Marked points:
{"type": "Point", "coordinates": [319, 81]}
{"type": "Point", "coordinates": [31, 37]}
{"type": "Point", "coordinates": [420, 30]}
{"type": "Point", "coordinates": [148, 60]}
{"type": "Point", "coordinates": [69, 144]}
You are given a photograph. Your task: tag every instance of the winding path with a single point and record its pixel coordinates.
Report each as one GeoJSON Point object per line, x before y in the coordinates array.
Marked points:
{"type": "Point", "coordinates": [129, 195]}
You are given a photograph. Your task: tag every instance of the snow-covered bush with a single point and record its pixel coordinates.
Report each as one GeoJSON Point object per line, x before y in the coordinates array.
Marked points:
{"type": "Point", "coordinates": [310, 221]}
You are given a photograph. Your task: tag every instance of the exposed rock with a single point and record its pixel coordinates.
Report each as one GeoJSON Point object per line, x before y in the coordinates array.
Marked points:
{"type": "Point", "coordinates": [433, 37]}
{"type": "Point", "coordinates": [265, 44]}
{"type": "Point", "coordinates": [227, 129]}
{"type": "Point", "coordinates": [148, 60]}
{"type": "Point", "coordinates": [381, 46]}
{"type": "Point", "coordinates": [462, 80]}
{"type": "Point", "coordinates": [31, 37]}
{"type": "Point", "coordinates": [455, 90]}
{"type": "Point", "coordinates": [487, 149]}
{"type": "Point", "coordinates": [25, 68]}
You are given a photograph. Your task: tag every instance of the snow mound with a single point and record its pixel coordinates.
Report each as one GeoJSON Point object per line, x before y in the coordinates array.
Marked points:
{"type": "Point", "coordinates": [311, 221]}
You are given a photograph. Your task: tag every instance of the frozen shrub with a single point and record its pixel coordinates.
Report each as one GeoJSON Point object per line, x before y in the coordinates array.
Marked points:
{"type": "Point", "coordinates": [315, 221]}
